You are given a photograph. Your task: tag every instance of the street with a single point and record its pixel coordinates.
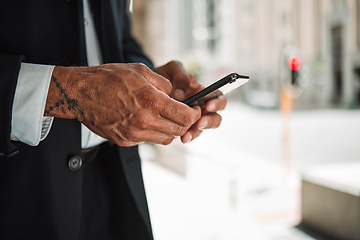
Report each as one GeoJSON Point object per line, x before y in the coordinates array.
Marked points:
{"type": "Point", "coordinates": [243, 180]}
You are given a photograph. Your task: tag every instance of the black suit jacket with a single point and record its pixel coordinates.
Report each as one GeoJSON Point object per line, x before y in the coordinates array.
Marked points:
{"type": "Point", "coordinates": [40, 197]}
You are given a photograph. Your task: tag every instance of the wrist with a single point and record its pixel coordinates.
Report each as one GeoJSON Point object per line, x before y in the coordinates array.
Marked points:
{"type": "Point", "coordinates": [62, 98]}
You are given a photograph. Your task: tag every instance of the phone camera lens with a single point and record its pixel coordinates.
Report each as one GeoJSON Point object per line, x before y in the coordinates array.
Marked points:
{"type": "Point", "coordinates": [233, 77]}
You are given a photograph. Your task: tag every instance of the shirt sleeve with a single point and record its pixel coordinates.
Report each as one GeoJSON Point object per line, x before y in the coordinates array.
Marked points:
{"type": "Point", "coordinates": [28, 123]}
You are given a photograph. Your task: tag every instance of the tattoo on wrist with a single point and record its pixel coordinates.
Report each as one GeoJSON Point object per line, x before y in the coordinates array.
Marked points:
{"type": "Point", "coordinates": [72, 104]}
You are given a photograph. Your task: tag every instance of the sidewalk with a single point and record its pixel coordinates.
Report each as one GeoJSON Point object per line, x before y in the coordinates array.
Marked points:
{"type": "Point", "coordinates": [230, 184]}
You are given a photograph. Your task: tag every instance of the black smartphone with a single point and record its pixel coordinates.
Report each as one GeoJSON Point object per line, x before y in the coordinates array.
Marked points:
{"type": "Point", "coordinates": [220, 87]}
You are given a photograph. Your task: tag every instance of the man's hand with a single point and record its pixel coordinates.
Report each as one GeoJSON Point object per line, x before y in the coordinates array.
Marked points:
{"type": "Point", "coordinates": [125, 103]}
{"type": "Point", "coordinates": [185, 85]}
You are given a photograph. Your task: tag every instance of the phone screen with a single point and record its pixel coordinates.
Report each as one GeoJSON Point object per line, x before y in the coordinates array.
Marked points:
{"type": "Point", "coordinates": [220, 87]}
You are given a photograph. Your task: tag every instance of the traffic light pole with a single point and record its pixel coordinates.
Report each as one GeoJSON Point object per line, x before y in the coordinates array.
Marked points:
{"type": "Point", "coordinates": [286, 106]}
{"type": "Point", "coordinates": [290, 88]}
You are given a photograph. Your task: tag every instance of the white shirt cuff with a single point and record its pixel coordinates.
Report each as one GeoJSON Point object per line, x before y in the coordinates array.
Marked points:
{"type": "Point", "coordinates": [28, 122]}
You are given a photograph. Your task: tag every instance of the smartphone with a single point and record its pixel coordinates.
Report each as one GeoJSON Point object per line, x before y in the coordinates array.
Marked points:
{"type": "Point", "coordinates": [220, 87]}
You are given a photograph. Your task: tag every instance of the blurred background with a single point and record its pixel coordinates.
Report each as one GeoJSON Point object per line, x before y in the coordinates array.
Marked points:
{"type": "Point", "coordinates": [285, 162]}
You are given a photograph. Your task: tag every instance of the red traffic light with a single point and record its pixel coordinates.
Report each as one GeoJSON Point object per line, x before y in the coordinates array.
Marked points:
{"type": "Point", "coordinates": [294, 63]}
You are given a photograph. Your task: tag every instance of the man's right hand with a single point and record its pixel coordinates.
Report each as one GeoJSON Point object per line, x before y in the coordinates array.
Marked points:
{"type": "Point", "coordinates": [124, 103]}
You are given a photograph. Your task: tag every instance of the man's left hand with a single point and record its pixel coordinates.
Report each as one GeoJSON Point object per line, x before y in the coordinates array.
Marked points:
{"type": "Point", "coordinates": [185, 85]}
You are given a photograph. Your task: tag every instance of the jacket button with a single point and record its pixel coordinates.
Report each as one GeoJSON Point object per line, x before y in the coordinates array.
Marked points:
{"type": "Point", "coordinates": [75, 163]}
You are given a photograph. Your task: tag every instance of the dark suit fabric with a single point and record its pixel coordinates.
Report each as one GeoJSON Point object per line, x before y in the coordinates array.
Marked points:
{"type": "Point", "coordinates": [40, 197]}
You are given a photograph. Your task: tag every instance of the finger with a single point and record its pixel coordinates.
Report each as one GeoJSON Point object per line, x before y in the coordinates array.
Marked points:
{"type": "Point", "coordinates": [179, 77]}
{"type": "Point", "coordinates": [123, 143]}
{"type": "Point", "coordinates": [113, 137]}
{"type": "Point", "coordinates": [157, 123]}
{"type": "Point", "coordinates": [159, 138]}
{"type": "Point", "coordinates": [174, 68]}
{"type": "Point", "coordinates": [178, 94]}
{"type": "Point", "coordinates": [181, 93]}
{"type": "Point", "coordinates": [191, 134]}
{"type": "Point", "coordinates": [149, 136]}
{"type": "Point", "coordinates": [180, 113]}
{"type": "Point", "coordinates": [133, 136]}
{"type": "Point", "coordinates": [159, 82]}
{"type": "Point", "coordinates": [162, 113]}
{"type": "Point", "coordinates": [209, 121]}
{"type": "Point", "coordinates": [216, 104]}
{"type": "Point", "coordinates": [187, 83]}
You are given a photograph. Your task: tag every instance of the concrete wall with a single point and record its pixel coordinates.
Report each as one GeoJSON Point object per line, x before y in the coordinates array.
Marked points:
{"type": "Point", "coordinates": [330, 211]}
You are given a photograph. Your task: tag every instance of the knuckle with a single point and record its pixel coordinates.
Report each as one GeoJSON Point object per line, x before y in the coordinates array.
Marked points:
{"type": "Point", "coordinates": [167, 141]}
{"type": "Point", "coordinates": [167, 86]}
{"type": "Point", "coordinates": [180, 131]}
{"type": "Point", "coordinates": [146, 97]}
{"type": "Point", "coordinates": [189, 121]}
{"type": "Point", "coordinates": [133, 74]}
{"type": "Point", "coordinates": [140, 67]}
{"type": "Point", "coordinates": [175, 63]}
{"type": "Point", "coordinates": [142, 121]}
{"type": "Point", "coordinates": [153, 103]}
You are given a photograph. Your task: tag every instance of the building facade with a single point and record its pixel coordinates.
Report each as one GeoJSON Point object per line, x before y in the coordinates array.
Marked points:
{"type": "Point", "coordinates": [256, 37]}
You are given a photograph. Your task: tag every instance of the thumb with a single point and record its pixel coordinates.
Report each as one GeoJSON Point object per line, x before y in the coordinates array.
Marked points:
{"type": "Point", "coordinates": [159, 82]}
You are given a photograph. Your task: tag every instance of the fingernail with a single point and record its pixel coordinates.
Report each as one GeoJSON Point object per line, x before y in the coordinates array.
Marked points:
{"type": "Point", "coordinates": [211, 107]}
{"type": "Point", "coordinates": [202, 125]}
{"type": "Point", "coordinates": [187, 138]}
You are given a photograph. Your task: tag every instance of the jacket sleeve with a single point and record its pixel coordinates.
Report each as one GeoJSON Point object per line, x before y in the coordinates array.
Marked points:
{"type": "Point", "coordinates": [9, 71]}
{"type": "Point", "coordinates": [133, 50]}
